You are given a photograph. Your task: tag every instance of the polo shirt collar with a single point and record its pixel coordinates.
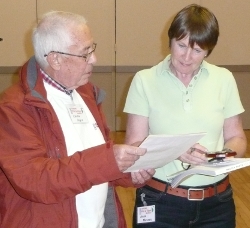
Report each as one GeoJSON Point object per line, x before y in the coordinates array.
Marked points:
{"type": "Point", "coordinates": [166, 64]}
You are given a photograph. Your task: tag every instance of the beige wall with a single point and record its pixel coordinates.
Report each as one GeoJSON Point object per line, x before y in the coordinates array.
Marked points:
{"type": "Point", "coordinates": [17, 19]}
{"type": "Point", "coordinates": [243, 82]}
{"type": "Point", "coordinates": [131, 35]}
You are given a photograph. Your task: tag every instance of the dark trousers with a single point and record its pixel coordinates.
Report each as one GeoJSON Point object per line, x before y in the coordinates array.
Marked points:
{"type": "Point", "coordinates": [179, 212]}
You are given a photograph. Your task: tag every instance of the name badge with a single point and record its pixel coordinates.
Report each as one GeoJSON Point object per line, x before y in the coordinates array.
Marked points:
{"type": "Point", "coordinates": [77, 114]}
{"type": "Point", "coordinates": [146, 214]}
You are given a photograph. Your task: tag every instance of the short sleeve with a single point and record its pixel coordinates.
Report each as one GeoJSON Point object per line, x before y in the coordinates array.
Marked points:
{"type": "Point", "coordinates": [136, 101]}
{"type": "Point", "coordinates": [233, 105]}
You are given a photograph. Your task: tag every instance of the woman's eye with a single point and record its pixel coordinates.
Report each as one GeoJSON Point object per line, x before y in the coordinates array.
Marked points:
{"type": "Point", "coordinates": [197, 50]}
{"type": "Point", "coordinates": [181, 45]}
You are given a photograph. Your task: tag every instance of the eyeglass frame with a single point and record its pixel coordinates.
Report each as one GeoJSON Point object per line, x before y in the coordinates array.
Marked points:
{"type": "Point", "coordinates": [85, 56]}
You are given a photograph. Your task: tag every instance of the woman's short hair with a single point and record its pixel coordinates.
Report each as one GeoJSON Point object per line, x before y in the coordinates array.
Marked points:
{"type": "Point", "coordinates": [54, 33]}
{"type": "Point", "coordinates": [199, 24]}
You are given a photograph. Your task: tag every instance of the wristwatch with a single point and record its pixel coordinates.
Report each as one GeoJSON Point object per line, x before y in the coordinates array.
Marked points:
{"type": "Point", "coordinates": [220, 155]}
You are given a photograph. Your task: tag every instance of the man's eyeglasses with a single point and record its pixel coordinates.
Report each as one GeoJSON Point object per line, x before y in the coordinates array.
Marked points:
{"type": "Point", "coordinates": [85, 56]}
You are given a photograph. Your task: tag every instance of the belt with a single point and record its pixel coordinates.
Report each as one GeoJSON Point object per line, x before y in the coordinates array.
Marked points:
{"type": "Point", "coordinates": [190, 193]}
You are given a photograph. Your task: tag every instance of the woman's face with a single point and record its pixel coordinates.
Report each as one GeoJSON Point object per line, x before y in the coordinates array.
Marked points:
{"type": "Point", "coordinates": [184, 59]}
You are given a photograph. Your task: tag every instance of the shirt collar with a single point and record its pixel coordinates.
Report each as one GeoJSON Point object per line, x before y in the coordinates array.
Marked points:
{"type": "Point", "coordinates": [166, 64]}
{"type": "Point", "coordinates": [54, 83]}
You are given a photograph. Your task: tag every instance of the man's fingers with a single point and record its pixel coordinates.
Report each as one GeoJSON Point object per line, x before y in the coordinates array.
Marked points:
{"type": "Point", "coordinates": [136, 151]}
{"type": "Point", "coordinates": [126, 155]}
{"type": "Point", "coordinates": [142, 176]}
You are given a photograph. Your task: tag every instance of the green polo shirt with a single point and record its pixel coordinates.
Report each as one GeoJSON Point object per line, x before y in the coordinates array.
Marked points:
{"type": "Point", "coordinates": [172, 108]}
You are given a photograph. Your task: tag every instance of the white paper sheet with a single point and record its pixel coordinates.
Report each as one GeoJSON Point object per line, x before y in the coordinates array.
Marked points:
{"type": "Point", "coordinates": [162, 149]}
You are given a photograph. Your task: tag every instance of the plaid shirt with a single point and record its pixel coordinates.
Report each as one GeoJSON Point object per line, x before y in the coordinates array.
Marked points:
{"type": "Point", "coordinates": [55, 84]}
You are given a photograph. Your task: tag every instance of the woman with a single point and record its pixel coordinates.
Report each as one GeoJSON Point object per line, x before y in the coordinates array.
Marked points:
{"type": "Point", "coordinates": [186, 94]}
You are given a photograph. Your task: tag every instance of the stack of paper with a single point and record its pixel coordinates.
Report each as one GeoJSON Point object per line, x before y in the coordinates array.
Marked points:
{"type": "Point", "coordinates": [211, 169]}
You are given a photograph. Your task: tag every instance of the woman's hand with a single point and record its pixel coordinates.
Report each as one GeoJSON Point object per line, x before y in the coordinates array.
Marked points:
{"type": "Point", "coordinates": [195, 155]}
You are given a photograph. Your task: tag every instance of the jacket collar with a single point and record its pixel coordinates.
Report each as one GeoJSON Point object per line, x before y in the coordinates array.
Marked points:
{"type": "Point", "coordinates": [32, 82]}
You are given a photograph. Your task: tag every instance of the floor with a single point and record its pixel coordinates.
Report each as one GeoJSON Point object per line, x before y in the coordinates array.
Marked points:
{"type": "Point", "coordinates": [240, 180]}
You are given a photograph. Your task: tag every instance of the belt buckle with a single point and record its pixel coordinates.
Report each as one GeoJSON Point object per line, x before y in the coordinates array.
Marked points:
{"type": "Point", "coordinates": [196, 189]}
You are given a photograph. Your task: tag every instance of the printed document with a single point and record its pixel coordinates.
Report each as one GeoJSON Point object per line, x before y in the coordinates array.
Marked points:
{"type": "Point", "coordinates": [162, 149]}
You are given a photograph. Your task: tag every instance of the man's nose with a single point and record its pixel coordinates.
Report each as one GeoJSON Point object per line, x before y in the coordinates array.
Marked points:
{"type": "Point", "coordinates": [92, 58]}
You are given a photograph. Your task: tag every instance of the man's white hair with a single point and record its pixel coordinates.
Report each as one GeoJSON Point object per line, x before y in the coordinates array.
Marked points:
{"type": "Point", "coordinates": [53, 33]}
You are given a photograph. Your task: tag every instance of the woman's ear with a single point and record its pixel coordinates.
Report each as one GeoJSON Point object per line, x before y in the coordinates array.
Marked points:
{"type": "Point", "coordinates": [53, 60]}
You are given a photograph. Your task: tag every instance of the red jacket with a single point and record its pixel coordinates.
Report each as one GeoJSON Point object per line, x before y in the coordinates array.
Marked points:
{"type": "Point", "coordinates": [38, 181]}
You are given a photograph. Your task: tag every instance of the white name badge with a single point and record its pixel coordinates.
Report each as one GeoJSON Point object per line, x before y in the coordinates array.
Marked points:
{"type": "Point", "coordinates": [77, 114]}
{"type": "Point", "coordinates": [146, 214]}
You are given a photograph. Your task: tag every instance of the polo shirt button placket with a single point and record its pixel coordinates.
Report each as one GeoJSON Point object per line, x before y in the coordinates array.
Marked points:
{"type": "Point", "coordinates": [186, 98]}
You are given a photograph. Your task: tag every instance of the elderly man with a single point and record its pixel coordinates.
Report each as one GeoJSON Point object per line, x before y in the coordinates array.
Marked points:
{"type": "Point", "coordinates": [56, 157]}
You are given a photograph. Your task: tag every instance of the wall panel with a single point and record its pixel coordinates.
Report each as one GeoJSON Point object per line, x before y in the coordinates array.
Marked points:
{"type": "Point", "coordinates": [233, 45]}
{"type": "Point", "coordinates": [17, 20]}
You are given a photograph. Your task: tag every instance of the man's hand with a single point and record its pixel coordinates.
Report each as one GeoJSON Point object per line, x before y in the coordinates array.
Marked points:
{"type": "Point", "coordinates": [126, 155]}
{"type": "Point", "coordinates": [142, 176]}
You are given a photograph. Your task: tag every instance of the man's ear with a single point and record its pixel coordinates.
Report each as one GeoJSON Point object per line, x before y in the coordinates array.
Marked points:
{"type": "Point", "coordinates": [53, 60]}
